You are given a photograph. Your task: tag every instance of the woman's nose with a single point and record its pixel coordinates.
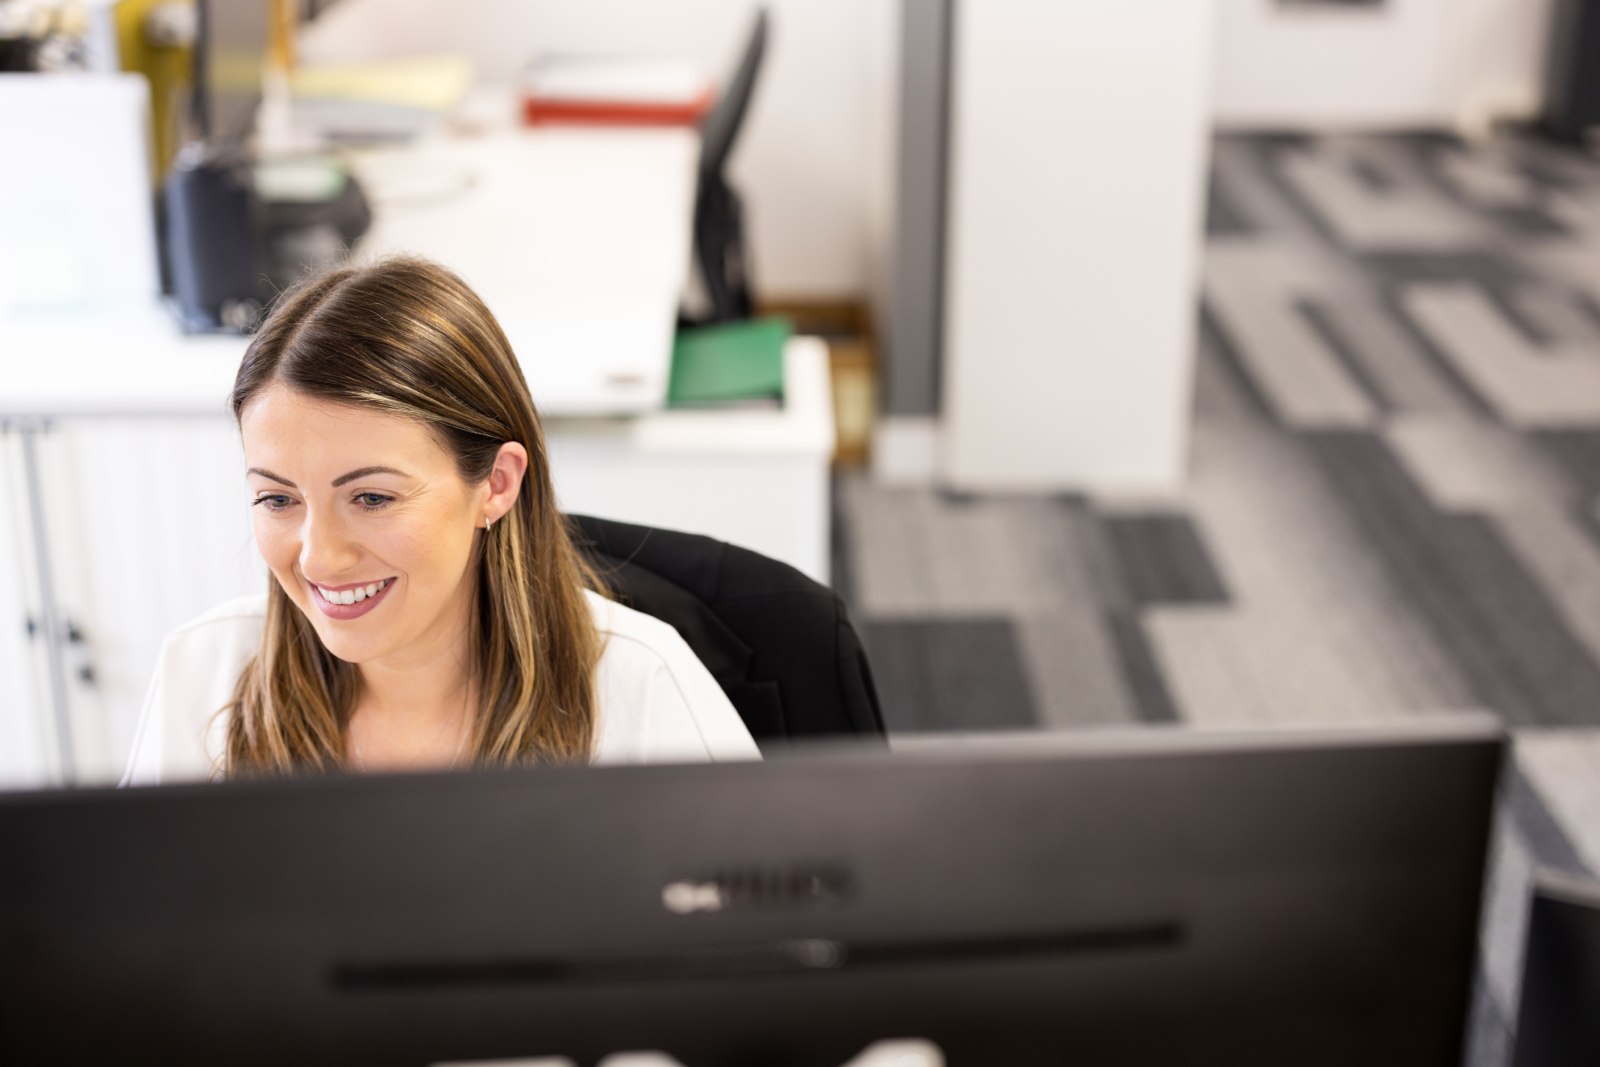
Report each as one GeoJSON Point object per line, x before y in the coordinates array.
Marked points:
{"type": "Point", "coordinates": [325, 549]}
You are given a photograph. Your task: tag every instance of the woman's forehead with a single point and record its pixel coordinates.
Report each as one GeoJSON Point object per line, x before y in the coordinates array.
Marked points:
{"type": "Point", "coordinates": [288, 426]}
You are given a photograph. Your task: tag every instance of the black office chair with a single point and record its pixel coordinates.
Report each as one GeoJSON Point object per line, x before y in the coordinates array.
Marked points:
{"type": "Point", "coordinates": [719, 251]}
{"type": "Point", "coordinates": [780, 645]}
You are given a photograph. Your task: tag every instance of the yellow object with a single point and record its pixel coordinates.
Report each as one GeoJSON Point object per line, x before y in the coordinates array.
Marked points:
{"type": "Point", "coordinates": [432, 83]}
{"type": "Point", "coordinates": [167, 68]}
{"type": "Point", "coordinates": [281, 21]}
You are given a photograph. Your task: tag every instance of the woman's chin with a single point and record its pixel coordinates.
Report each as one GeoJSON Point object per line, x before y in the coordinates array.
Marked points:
{"type": "Point", "coordinates": [352, 640]}
{"type": "Point", "coordinates": [352, 648]}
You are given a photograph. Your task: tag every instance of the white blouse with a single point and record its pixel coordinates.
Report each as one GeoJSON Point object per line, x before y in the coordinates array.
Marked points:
{"type": "Point", "coordinates": [656, 703]}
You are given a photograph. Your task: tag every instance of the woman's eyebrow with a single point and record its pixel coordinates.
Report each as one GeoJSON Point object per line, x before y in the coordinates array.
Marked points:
{"type": "Point", "coordinates": [272, 477]}
{"type": "Point", "coordinates": [363, 472]}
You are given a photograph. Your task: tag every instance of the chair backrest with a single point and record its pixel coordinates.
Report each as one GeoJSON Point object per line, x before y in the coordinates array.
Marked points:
{"type": "Point", "coordinates": [780, 645]}
{"type": "Point", "coordinates": [720, 128]}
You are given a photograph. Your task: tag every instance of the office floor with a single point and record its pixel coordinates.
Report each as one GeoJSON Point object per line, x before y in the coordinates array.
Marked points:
{"type": "Point", "coordinates": [1393, 508]}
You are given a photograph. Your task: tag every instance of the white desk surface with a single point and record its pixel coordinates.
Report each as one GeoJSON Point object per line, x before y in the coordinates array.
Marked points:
{"type": "Point", "coordinates": [578, 240]}
{"type": "Point", "coordinates": [134, 363]}
{"type": "Point", "coordinates": [143, 366]}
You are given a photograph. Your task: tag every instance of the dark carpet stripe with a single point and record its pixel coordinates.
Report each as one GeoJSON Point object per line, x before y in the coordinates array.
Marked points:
{"type": "Point", "coordinates": [1164, 561]}
{"type": "Point", "coordinates": [1545, 839]}
{"type": "Point", "coordinates": [1578, 453]}
{"type": "Point", "coordinates": [1528, 222]}
{"type": "Point", "coordinates": [1495, 622]}
{"type": "Point", "coordinates": [1323, 324]}
{"type": "Point", "coordinates": [1504, 300]}
{"type": "Point", "coordinates": [949, 674]}
{"type": "Point", "coordinates": [1589, 307]}
{"type": "Point", "coordinates": [1223, 217]}
{"type": "Point", "coordinates": [1215, 343]}
{"type": "Point", "coordinates": [1437, 358]}
{"type": "Point", "coordinates": [1491, 269]}
{"type": "Point", "coordinates": [1269, 166]}
{"type": "Point", "coordinates": [1151, 699]}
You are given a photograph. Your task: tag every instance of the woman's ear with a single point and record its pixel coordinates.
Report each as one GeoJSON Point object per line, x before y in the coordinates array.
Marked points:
{"type": "Point", "coordinates": [505, 481]}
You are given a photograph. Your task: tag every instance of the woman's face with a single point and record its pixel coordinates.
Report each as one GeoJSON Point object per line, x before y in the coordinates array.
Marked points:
{"type": "Point", "coordinates": [366, 523]}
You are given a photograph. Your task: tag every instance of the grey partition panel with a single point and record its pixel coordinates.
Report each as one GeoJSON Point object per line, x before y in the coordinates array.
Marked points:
{"type": "Point", "coordinates": [913, 351]}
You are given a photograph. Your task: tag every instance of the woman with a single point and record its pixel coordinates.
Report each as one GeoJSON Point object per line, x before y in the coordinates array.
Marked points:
{"type": "Point", "coordinates": [425, 605]}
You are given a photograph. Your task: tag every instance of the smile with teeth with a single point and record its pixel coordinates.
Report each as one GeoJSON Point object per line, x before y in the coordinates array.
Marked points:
{"type": "Point", "coordinates": [351, 596]}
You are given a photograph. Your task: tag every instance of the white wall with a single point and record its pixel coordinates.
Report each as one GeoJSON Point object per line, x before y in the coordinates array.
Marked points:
{"type": "Point", "coordinates": [814, 156]}
{"type": "Point", "coordinates": [1409, 63]}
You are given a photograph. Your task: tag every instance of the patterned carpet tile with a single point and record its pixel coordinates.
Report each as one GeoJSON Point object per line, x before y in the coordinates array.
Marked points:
{"type": "Point", "coordinates": [949, 674]}
{"type": "Point", "coordinates": [1165, 560]}
{"type": "Point", "coordinates": [1504, 633]}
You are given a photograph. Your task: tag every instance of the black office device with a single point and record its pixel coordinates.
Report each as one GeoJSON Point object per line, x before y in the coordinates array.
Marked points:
{"type": "Point", "coordinates": [719, 247]}
{"type": "Point", "coordinates": [212, 220]}
{"type": "Point", "coordinates": [1160, 897]}
{"type": "Point", "coordinates": [1572, 80]}
{"type": "Point", "coordinates": [1559, 1020]}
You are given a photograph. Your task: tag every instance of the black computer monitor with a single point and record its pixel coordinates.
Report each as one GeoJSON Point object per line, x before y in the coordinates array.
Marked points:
{"type": "Point", "coordinates": [1559, 1020]}
{"type": "Point", "coordinates": [1139, 898]}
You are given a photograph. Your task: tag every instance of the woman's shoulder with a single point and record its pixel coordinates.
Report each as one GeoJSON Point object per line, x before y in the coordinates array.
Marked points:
{"type": "Point", "coordinates": [620, 620]}
{"type": "Point", "coordinates": [657, 701]}
{"type": "Point", "coordinates": [246, 612]}
{"type": "Point", "coordinates": [179, 731]}
{"type": "Point", "coordinates": [213, 647]}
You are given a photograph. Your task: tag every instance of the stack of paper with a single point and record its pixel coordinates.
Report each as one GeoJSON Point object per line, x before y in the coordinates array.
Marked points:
{"type": "Point", "coordinates": [379, 100]}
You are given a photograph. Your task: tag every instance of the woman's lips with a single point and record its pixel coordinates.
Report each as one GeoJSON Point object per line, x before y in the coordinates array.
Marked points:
{"type": "Point", "coordinates": [320, 598]}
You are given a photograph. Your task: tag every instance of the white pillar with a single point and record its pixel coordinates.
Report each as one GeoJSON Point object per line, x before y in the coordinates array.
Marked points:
{"type": "Point", "coordinates": [1080, 137]}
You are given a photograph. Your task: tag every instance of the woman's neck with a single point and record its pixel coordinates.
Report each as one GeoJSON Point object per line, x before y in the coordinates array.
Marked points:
{"type": "Point", "coordinates": [416, 709]}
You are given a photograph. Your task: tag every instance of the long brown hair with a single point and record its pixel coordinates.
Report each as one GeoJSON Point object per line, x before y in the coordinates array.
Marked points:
{"type": "Point", "coordinates": [409, 338]}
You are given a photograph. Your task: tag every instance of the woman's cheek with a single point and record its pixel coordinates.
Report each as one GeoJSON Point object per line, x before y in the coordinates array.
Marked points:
{"type": "Point", "coordinates": [429, 550]}
{"type": "Point", "coordinates": [274, 544]}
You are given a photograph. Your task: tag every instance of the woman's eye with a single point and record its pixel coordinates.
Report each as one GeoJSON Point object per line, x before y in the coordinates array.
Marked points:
{"type": "Point", "coordinates": [373, 501]}
{"type": "Point", "coordinates": [273, 501]}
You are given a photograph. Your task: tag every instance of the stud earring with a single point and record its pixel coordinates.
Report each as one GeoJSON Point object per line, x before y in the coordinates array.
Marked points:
{"type": "Point", "coordinates": [488, 524]}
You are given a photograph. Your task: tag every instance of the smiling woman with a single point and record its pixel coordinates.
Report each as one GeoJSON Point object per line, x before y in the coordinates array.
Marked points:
{"type": "Point", "coordinates": [425, 605]}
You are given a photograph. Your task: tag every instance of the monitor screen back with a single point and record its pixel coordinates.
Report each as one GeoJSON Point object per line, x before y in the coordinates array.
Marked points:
{"type": "Point", "coordinates": [1243, 901]}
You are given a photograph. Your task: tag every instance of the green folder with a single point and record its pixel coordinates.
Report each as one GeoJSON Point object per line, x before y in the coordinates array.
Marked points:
{"type": "Point", "coordinates": [728, 365]}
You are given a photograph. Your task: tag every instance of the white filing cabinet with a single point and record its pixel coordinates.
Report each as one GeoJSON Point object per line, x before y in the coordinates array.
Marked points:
{"type": "Point", "coordinates": [147, 527]}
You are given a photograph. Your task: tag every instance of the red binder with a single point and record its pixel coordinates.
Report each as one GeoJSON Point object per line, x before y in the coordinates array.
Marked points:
{"type": "Point", "coordinates": [615, 92]}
